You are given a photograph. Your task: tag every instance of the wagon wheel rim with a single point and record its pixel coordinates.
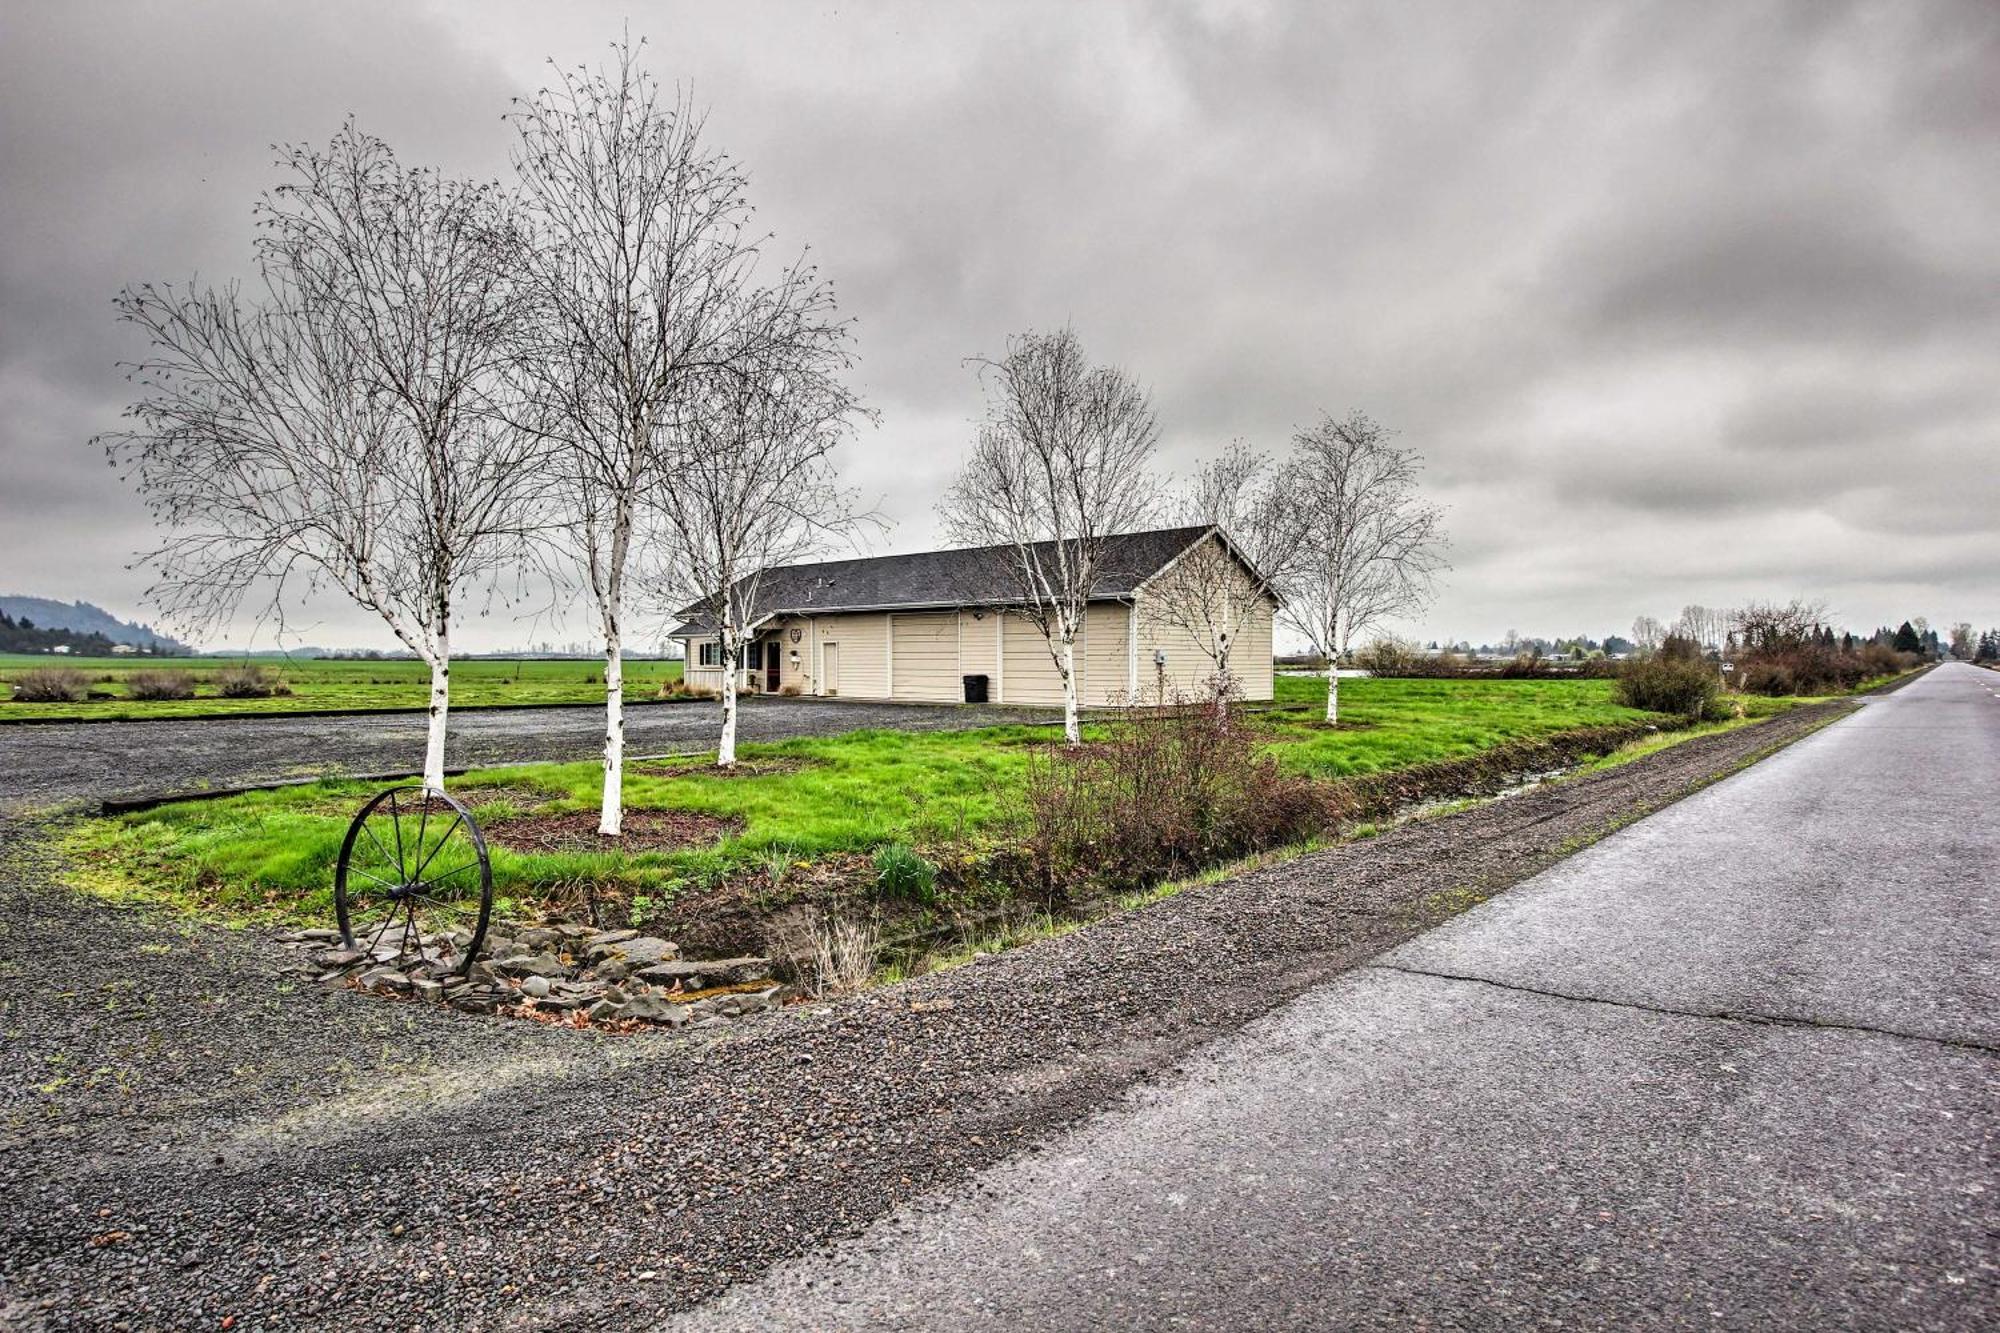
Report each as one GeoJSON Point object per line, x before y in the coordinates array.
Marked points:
{"type": "Point", "coordinates": [413, 872]}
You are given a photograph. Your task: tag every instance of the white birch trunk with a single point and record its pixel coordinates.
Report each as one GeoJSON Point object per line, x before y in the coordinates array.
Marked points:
{"type": "Point", "coordinates": [611, 810]}
{"type": "Point", "coordinates": [440, 705]}
{"type": "Point", "coordinates": [725, 748]}
{"type": "Point", "coordinates": [1332, 689]}
{"type": "Point", "coordinates": [1072, 730]}
{"type": "Point", "coordinates": [1222, 681]}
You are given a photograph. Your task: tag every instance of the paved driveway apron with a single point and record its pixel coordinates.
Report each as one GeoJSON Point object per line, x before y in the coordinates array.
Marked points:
{"type": "Point", "coordinates": [1737, 1066]}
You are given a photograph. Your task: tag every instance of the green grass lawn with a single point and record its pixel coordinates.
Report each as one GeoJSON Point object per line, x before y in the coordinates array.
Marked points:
{"type": "Point", "coordinates": [321, 684]}
{"type": "Point", "coordinates": [270, 854]}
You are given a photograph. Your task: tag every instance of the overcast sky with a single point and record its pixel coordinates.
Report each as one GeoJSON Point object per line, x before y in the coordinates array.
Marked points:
{"type": "Point", "coordinates": [1680, 301]}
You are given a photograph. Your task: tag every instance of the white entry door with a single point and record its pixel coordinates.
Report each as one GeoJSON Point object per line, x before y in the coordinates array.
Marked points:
{"type": "Point", "coordinates": [829, 666]}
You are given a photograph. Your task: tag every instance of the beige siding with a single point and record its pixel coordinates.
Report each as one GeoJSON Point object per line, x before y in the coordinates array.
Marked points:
{"type": "Point", "coordinates": [1252, 662]}
{"type": "Point", "coordinates": [1103, 652]}
{"type": "Point", "coordinates": [864, 653]}
{"type": "Point", "coordinates": [1190, 664]}
{"type": "Point", "coordinates": [1028, 673]}
{"type": "Point", "coordinates": [925, 645]}
{"type": "Point", "coordinates": [979, 649]}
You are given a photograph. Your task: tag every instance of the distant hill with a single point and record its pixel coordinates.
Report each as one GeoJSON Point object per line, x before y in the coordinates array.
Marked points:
{"type": "Point", "coordinates": [85, 619]}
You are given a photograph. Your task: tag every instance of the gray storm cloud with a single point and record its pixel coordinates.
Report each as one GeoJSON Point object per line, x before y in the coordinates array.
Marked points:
{"type": "Point", "coordinates": [1682, 302]}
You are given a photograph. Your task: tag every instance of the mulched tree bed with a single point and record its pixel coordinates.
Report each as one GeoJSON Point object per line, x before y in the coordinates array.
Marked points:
{"type": "Point", "coordinates": [644, 831]}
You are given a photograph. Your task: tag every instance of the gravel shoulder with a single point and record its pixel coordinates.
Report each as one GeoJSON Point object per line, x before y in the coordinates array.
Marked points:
{"type": "Point", "coordinates": [333, 1160]}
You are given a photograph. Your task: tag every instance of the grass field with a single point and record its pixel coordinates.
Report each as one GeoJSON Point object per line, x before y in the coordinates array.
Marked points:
{"type": "Point", "coordinates": [324, 684]}
{"type": "Point", "coordinates": [270, 854]}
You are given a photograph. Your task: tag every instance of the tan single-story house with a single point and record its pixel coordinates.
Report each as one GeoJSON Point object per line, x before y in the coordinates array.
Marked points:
{"type": "Point", "coordinates": [936, 627]}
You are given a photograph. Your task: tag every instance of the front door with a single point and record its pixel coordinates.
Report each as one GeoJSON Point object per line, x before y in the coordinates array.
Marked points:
{"type": "Point", "coordinates": [771, 667]}
{"type": "Point", "coordinates": [829, 665]}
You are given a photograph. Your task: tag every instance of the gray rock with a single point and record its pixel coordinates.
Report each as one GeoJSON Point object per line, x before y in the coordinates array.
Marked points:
{"type": "Point", "coordinates": [708, 972]}
{"type": "Point", "coordinates": [430, 992]}
{"type": "Point", "coordinates": [340, 957]}
{"type": "Point", "coordinates": [655, 1009]}
{"type": "Point", "coordinates": [476, 1002]}
{"type": "Point", "coordinates": [605, 1009]}
{"type": "Point", "coordinates": [387, 980]}
{"type": "Point", "coordinates": [539, 965]}
{"type": "Point", "coordinates": [535, 988]}
{"type": "Point", "coordinates": [540, 937]}
{"type": "Point", "coordinates": [613, 970]}
{"type": "Point", "coordinates": [611, 937]}
{"type": "Point", "coordinates": [639, 951]}
{"type": "Point", "coordinates": [570, 930]}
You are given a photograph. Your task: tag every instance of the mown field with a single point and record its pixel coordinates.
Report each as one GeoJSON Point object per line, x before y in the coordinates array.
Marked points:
{"type": "Point", "coordinates": [271, 854]}
{"type": "Point", "coordinates": [324, 684]}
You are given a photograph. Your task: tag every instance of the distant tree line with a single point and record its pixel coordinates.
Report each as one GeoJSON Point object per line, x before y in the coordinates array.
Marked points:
{"type": "Point", "coordinates": [25, 636]}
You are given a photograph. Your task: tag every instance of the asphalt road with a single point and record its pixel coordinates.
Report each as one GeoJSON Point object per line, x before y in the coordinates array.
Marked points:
{"type": "Point", "coordinates": [54, 763]}
{"type": "Point", "coordinates": [1736, 1066]}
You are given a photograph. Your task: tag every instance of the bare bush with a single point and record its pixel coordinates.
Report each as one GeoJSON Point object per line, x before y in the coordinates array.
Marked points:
{"type": "Point", "coordinates": [1175, 788]}
{"type": "Point", "coordinates": [249, 682]}
{"type": "Point", "coordinates": [1673, 680]}
{"type": "Point", "coordinates": [160, 685]}
{"type": "Point", "coordinates": [51, 685]}
{"type": "Point", "coordinates": [1788, 648]}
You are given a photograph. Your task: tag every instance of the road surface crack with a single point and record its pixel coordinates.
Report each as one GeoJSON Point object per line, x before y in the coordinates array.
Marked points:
{"type": "Point", "coordinates": [1717, 1015]}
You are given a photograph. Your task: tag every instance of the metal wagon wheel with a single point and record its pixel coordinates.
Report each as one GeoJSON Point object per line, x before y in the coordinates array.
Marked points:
{"type": "Point", "coordinates": [414, 872]}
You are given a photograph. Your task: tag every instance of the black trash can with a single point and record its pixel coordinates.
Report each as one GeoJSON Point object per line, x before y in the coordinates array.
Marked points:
{"type": "Point", "coordinates": [975, 689]}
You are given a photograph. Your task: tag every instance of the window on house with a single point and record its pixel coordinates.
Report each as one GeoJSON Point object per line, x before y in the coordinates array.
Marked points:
{"type": "Point", "coordinates": [711, 654]}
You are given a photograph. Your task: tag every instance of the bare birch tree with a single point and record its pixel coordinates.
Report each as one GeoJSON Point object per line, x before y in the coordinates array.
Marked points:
{"type": "Point", "coordinates": [1647, 635]}
{"type": "Point", "coordinates": [753, 484]}
{"type": "Point", "coordinates": [345, 427]}
{"type": "Point", "coordinates": [1370, 549]}
{"type": "Point", "coordinates": [1212, 592]}
{"type": "Point", "coordinates": [640, 255]}
{"type": "Point", "coordinates": [1060, 465]}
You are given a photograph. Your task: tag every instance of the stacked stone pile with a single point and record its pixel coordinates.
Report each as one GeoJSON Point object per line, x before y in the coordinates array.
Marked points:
{"type": "Point", "coordinates": [563, 968]}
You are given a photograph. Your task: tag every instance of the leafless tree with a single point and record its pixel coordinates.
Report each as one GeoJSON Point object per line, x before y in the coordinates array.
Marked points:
{"type": "Point", "coordinates": [1371, 547]}
{"type": "Point", "coordinates": [1963, 645]}
{"type": "Point", "coordinates": [640, 257]}
{"type": "Point", "coordinates": [1212, 592]}
{"type": "Point", "coordinates": [1647, 634]}
{"type": "Point", "coordinates": [348, 424]}
{"type": "Point", "coordinates": [1707, 626]}
{"type": "Point", "coordinates": [752, 485]}
{"type": "Point", "coordinates": [1060, 464]}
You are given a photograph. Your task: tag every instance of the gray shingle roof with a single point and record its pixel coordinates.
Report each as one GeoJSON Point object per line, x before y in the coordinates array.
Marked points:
{"type": "Point", "coordinates": [968, 576]}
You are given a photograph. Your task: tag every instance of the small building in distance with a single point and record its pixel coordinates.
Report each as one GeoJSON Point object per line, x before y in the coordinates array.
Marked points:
{"type": "Point", "coordinates": [943, 626]}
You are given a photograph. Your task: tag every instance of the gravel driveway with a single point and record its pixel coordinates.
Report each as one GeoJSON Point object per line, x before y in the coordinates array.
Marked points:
{"type": "Point", "coordinates": [187, 1142]}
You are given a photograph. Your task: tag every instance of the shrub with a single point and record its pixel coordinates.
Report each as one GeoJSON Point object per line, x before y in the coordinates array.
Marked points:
{"type": "Point", "coordinates": [51, 685]}
{"type": "Point", "coordinates": [901, 873]}
{"type": "Point", "coordinates": [249, 682]}
{"type": "Point", "coordinates": [160, 685]}
{"type": "Point", "coordinates": [1662, 684]}
{"type": "Point", "coordinates": [1177, 787]}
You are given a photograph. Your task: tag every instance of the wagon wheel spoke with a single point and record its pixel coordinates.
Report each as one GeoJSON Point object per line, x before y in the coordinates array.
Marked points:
{"type": "Point", "coordinates": [439, 879]}
{"type": "Point", "coordinates": [418, 874]}
{"type": "Point", "coordinates": [369, 829]}
{"type": "Point", "coordinates": [396, 823]}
